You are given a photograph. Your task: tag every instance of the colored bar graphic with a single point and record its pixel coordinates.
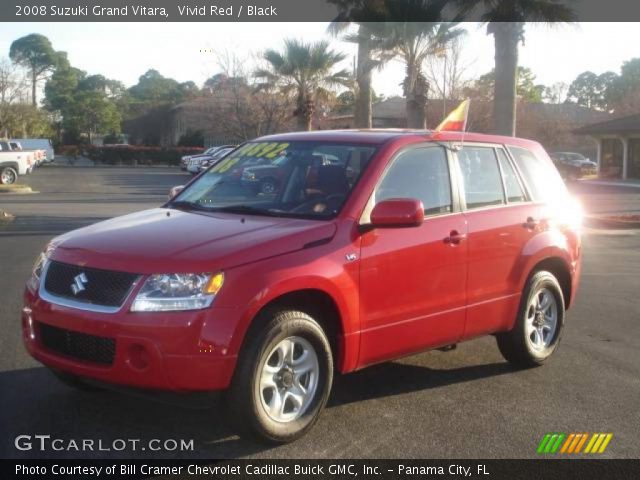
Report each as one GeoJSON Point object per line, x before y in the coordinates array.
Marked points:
{"type": "Point", "coordinates": [592, 440]}
{"type": "Point", "coordinates": [543, 443]}
{"type": "Point", "coordinates": [573, 443]}
{"type": "Point", "coordinates": [555, 448]}
{"type": "Point", "coordinates": [604, 445]}
{"type": "Point", "coordinates": [568, 442]}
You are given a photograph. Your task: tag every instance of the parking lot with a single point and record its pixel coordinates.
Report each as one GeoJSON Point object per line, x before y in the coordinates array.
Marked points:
{"type": "Point", "coordinates": [467, 403]}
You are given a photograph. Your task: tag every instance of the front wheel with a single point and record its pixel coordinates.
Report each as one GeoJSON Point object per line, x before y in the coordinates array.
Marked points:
{"type": "Point", "coordinates": [539, 324]}
{"type": "Point", "coordinates": [283, 378]}
{"type": "Point", "coordinates": [8, 176]}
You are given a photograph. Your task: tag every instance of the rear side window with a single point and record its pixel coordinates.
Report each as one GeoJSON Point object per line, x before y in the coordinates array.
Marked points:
{"type": "Point", "coordinates": [514, 190]}
{"type": "Point", "coordinates": [420, 173]}
{"type": "Point", "coordinates": [481, 177]}
{"type": "Point", "coordinates": [542, 178]}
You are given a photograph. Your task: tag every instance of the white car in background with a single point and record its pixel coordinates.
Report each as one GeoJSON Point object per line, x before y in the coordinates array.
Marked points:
{"type": "Point", "coordinates": [196, 161]}
{"type": "Point", "coordinates": [13, 163]}
{"type": "Point", "coordinates": [184, 161]}
{"type": "Point", "coordinates": [219, 155]}
{"type": "Point", "coordinates": [39, 154]}
{"type": "Point", "coordinates": [37, 144]}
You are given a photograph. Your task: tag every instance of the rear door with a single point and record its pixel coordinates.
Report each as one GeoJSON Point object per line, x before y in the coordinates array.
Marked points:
{"type": "Point", "coordinates": [500, 220]}
{"type": "Point", "coordinates": [412, 280]}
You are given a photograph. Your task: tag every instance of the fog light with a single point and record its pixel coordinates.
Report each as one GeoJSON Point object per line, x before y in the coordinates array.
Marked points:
{"type": "Point", "coordinates": [138, 357]}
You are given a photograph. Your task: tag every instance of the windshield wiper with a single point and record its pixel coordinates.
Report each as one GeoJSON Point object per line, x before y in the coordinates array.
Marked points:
{"type": "Point", "coordinates": [185, 205]}
{"type": "Point", "coordinates": [248, 209]}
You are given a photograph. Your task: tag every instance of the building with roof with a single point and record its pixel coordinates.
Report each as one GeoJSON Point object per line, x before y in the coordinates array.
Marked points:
{"type": "Point", "coordinates": [552, 125]}
{"type": "Point", "coordinates": [618, 146]}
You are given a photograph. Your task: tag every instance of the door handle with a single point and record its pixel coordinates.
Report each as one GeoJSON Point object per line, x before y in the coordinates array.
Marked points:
{"type": "Point", "coordinates": [531, 223]}
{"type": "Point", "coordinates": [454, 237]}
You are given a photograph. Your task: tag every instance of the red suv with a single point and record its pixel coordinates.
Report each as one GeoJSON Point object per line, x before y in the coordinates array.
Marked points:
{"type": "Point", "coordinates": [406, 241]}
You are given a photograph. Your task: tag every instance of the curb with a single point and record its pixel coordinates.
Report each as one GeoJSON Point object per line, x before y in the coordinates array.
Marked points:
{"type": "Point", "coordinates": [15, 189]}
{"type": "Point", "coordinates": [6, 217]}
{"type": "Point", "coordinates": [616, 222]}
{"type": "Point", "coordinates": [605, 183]}
{"type": "Point", "coordinates": [99, 165]}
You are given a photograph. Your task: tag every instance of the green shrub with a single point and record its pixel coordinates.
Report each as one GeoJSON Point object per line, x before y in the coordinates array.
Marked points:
{"type": "Point", "coordinates": [137, 155]}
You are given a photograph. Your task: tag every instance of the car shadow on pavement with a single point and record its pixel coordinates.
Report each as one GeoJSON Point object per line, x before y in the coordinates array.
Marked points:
{"type": "Point", "coordinates": [395, 378]}
{"type": "Point", "coordinates": [35, 402]}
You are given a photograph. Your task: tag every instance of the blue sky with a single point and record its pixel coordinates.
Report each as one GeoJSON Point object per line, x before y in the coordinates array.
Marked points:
{"type": "Point", "coordinates": [126, 50]}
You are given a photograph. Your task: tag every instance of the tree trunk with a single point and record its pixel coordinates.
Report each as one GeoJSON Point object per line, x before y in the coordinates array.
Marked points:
{"type": "Point", "coordinates": [506, 36]}
{"type": "Point", "coordinates": [307, 120]}
{"type": "Point", "coordinates": [415, 91]}
{"type": "Point", "coordinates": [362, 110]}
{"type": "Point", "coordinates": [303, 113]}
{"type": "Point", "coordinates": [34, 81]}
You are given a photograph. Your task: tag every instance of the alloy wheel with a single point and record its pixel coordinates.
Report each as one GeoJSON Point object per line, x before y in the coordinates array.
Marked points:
{"type": "Point", "coordinates": [542, 319]}
{"type": "Point", "coordinates": [289, 379]}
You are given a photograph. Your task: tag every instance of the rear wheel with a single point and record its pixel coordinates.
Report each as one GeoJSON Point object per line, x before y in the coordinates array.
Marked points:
{"type": "Point", "coordinates": [539, 324]}
{"type": "Point", "coordinates": [283, 378]}
{"type": "Point", "coordinates": [8, 176]}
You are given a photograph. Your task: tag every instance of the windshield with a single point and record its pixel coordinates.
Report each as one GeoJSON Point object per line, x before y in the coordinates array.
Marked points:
{"type": "Point", "coordinates": [299, 179]}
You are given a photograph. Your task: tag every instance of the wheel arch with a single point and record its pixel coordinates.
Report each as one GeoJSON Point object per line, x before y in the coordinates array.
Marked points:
{"type": "Point", "coordinates": [10, 164]}
{"type": "Point", "coordinates": [315, 302]}
{"type": "Point", "coordinates": [560, 269]}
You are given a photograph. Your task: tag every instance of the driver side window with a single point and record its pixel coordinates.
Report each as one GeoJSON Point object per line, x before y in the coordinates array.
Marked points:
{"type": "Point", "coordinates": [420, 173]}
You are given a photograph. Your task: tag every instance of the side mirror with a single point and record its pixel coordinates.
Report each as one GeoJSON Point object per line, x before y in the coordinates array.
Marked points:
{"type": "Point", "coordinates": [175, 191]}
{"type": "Point", "coordinates": [397, 212]}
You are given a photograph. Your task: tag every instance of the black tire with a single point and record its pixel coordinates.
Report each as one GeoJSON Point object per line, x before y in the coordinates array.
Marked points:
{"type": "Point", "coordinates": [8, 175]}
{"type": "Point", "coordinates": [75, 382]}
{"type": "Point", "coordinates": [518, 346]}
{"type": "Point", "coordinates": [268, 186]}
{"type": "Point", "coordinates": [244, 398]}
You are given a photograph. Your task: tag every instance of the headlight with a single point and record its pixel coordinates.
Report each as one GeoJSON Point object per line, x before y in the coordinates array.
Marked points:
{"type": "Point", "coordinates": [177, 291]}
{"type": "Point", "coordinates": [248, 175]}
{"type": "Point", "coordinates": [36, 272]}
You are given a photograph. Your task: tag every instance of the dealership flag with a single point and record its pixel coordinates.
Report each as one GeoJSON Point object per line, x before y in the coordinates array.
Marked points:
{"type": "Point", "coordinates": [456, 121]}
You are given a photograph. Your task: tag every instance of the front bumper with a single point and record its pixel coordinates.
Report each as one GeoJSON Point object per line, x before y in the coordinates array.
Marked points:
{"type": "Point", "coordinates": [160, 350]}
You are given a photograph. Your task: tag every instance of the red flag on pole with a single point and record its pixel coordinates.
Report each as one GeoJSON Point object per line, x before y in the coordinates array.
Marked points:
{"type": "Point", "coordinates": [456, 121]}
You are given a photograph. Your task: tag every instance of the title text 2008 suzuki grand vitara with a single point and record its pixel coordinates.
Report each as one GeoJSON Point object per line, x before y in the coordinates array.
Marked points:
{"type": "Point", "coordinates": [366, 246]}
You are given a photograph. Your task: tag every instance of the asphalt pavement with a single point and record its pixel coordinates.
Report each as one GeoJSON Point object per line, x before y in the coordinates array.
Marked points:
{"type": "Point", "coordinates": [466, 403]}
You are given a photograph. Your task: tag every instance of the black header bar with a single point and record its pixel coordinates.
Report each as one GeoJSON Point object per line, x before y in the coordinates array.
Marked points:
{"type": "Point", "coordinates": [321, 469]}
{"type": "Point", "coordinates": [285, 10]}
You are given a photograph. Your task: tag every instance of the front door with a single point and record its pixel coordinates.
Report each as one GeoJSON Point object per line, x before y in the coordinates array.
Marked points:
{"type": "Point", "coordinates": [413, 280]}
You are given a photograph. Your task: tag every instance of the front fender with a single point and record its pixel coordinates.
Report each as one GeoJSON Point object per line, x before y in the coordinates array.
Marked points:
{"type": "Point", "coordinates": [323, 268]}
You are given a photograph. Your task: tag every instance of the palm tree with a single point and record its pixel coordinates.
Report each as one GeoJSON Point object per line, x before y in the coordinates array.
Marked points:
{"type": "Point", "coordinates": [365, 64]}
{"type": "Point", "coordinates": [368, 15]}
{"type": "Point", "coordinates": [413, 42]}
{"type": "Point", "coordinates": [306, 69]}
{"type": "Point", "coordinates": [505, 21]}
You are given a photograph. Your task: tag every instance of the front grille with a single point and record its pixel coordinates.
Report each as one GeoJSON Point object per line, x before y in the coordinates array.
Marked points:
{"type": "Point", "coordinates": [102, 287]}
{"type": "Point", "coordinates": [80, 346]}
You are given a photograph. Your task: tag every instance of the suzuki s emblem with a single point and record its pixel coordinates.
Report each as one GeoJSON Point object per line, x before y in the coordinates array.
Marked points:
{"type": "Point", "coordinates": [79, 282]}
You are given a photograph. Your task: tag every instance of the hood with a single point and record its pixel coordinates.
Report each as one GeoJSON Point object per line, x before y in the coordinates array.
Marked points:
{"type": "Point", "coordinates": [200, 156]}
{"type": "Point", "coordinates": [163, 241]}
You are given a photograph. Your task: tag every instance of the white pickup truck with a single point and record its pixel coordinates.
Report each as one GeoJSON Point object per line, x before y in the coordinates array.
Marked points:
{"type": "Point", "coordinates": [39, 154]}
{"type": "Point", "coordinates": [13, 163]}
